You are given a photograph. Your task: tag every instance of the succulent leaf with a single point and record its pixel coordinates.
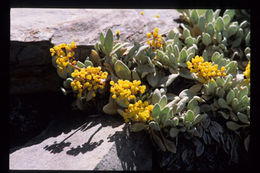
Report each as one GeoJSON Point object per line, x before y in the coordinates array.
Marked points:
{"type": "Point", "coordinates": [122, 70]}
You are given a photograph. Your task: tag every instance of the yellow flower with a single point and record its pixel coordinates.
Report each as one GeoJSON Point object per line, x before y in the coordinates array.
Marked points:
{"type": "Point", "coordinates": [138, 112]}
{"type": "Point", "coordinates": [117, 32]}
{"type": "Point", "coordinates": [126, 90]}
{"type": "Point", "coordinates": [157, 15]}
{"type": "Point", "coordinates": [205, 70]}
{"type": "Point", "coordinates": [90, 78]}
{"type": "Point", "coordinates": [148, 35]}
{"type": "Point", "coordinates": [142, 13]}
{"type": "Point", "coordinates": [247, 72]}
{"type": "Point", "coordinates": [156, 29]}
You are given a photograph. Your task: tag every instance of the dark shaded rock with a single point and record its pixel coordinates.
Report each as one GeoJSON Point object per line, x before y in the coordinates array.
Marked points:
{"type": "Point", "coordinates": [31, 70]}
{"type": "Point", "coordinates": [130, 152]}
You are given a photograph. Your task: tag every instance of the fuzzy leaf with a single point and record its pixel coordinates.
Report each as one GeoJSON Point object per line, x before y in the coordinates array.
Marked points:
{"type": "Point", "coordinates": [135, 75]}
{"type": "Point", "coordinates": [186, 93]}
{"type": "Point", "coordinates": [174, 132]}
{"type": "Point", "coordinates": [246, 142]}
{"type": "Point", "coordinates": [108, 42]}
{"type": "Point", "coordinates": [243, 118]}
{"type": "Point", "coordinates": [88, 63]}
{"type": "Point", "coordinates": [154, 78]}
{"type": "Point", "coordinates": [80, 64]}
{"type": "Point", "coordinates": [122, 71]}
{"type": "Point", "coordinates": [156, 96]}
{"type": "Point", "coordinates": [192, 103]}
{"type": "Point", "coordinates": [170, 146]}
{"type": "Point", "coordinates": [138, 127]}
{"type": "Point", "coordinates": [158, 141]}
{"type": "Point", "coordinates": [194, 17]}
{"type": "Point", "coordinates": [102, 38]}
{"type": "Point", "coordinates": [210, 29]}
{"type": "Point", "coordinates": [219, 24]}
{"type": "Point", "coordinates": [176, 121]}
{"type": "Point", "coordinates": [199, 118]}
{"type": "Point", "coordinates": [67, 82]}
{"type": "Point", "coordinates": [230, 13]}
{"type": "Point", "coordinates": [242, 93]}
{"type": "Point", "coordinates": [183, 56]}
{"type": "Point", "coordinates": [232, 125]}
{"type": "Point", "coordinates": [206, 38]}
{"type": "Point", "coordinates": [232, 30]}
{"type": "Point", "coordinates": [154, 125]}
{"type": "Point", "coordinates": [230, 96]}
{"type": "Point", "coordinates": [164, 114]}
{"type": "Point", "coordinates": [171, 35]}
{"type": "Point", "coordinates": [222, 103]}
{"type": "Point", "coordinates": [167, 80]}
{"type": "Point", "coordinates": [181, 104]}
{"type": "Point", "coordinates": [247, 39]}
{"type": "Point", "coordinates": [62, 73]}
{"type": "Point", "coordinates": [163, 101]}
{"type": "Point", "coordinates": [226, 19]}
{"type": "Point", "coordinates": [111, 107]}
{"type": "Point", "coordinates": [156, 111]}
{"type": "Point", "coordinates": [201, 23]}
{"type": "Point", "coordinates": [209, 15]}
{"type": "Point", "coordinates": [189, 116]}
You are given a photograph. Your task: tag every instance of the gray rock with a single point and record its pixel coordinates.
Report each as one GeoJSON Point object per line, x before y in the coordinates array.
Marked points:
{"type": "Point", "coordinates": [84, 25]}
{"type": "Point", "coordinates": [130, 152]}
{"type": "Point", "coordinates": [85, 145]}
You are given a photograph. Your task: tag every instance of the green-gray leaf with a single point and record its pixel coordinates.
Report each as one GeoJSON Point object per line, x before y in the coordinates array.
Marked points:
{"type": "Point", "coordinates": [122, 70]}
{"type": "Point", "coordinates": [219, 24]}
{"type": "Point", "coordinates": [232, 125]}
{"type": "Point", "coordinates": [108, 42]}
{"type": "Point", "coordinates": [138, 127]}
{"type": "Point", "coordinates": [156, 111]}
{"type": "Point", "coordinates": [173, 132]}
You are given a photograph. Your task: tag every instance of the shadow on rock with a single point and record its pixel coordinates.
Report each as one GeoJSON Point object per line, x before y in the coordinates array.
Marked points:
{"type": "Point", "coordinates": [133, 152]}
{"type": "Point", "coordinates": [90, 122]}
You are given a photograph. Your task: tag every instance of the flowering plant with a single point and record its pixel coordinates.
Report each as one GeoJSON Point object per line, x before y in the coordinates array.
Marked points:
{"type": "Point", "coordinates": [143, 79]}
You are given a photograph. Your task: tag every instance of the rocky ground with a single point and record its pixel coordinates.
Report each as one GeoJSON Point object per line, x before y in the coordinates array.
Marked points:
{"type": "Point", "coordinates": [46, 129]}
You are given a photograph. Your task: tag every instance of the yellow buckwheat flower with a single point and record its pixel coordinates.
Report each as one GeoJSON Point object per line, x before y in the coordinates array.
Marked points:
{"type": "Point", "coordinates": [247, 72]}
{"type": "Point", "coordinates": [156, 42]}
{"type": "Point", "coordinates": [64, 53]}
{"type": "Point", "coordinates": [117, 32]}
{"type": "Point", "coordinates": [90, 78]}
{"type": "Point", "coordinates": [205, 70]}
{"type": "Point", "coordinates": [142, 13]}
{"type": "Point", "coordinates": [157, 15]}
{"type": "Point", "coordinates": [138, 112]}
{"type": "Point", "coordinates": [126, 90]}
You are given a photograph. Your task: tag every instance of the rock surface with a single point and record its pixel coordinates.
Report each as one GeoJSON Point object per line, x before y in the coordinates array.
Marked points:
{"type": "Point", "coordinates": [35, 31]}
{"type": "Point", "coordinates": [84, 25]}
{"type": "Point", "coordinates": [99, 143]}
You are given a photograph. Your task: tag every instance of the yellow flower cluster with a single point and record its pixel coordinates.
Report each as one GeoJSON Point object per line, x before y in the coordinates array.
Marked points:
{"type": "Point", "coordinates": [205, 70]}
{"type": "Point", "coordinates": [157, 15]}
{"type": "Point", "coordinates": [156, 42]}
{"type": "Point", "coordinates": [138, 112]}
{"type": "Point", "coordinates": [247, 72]}
{"type": "Point", "coordinates": [90, 78]}
{"type": "Point", "coordinates": [126, 90]}
{"type": "Point", "coordinates": [65, 53]}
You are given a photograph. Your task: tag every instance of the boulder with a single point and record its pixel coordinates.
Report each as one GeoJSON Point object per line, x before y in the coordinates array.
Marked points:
{"type": "Point", "coordinates": [97, 142]}
{"type": "Point", "coordinates": [84, 25]}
